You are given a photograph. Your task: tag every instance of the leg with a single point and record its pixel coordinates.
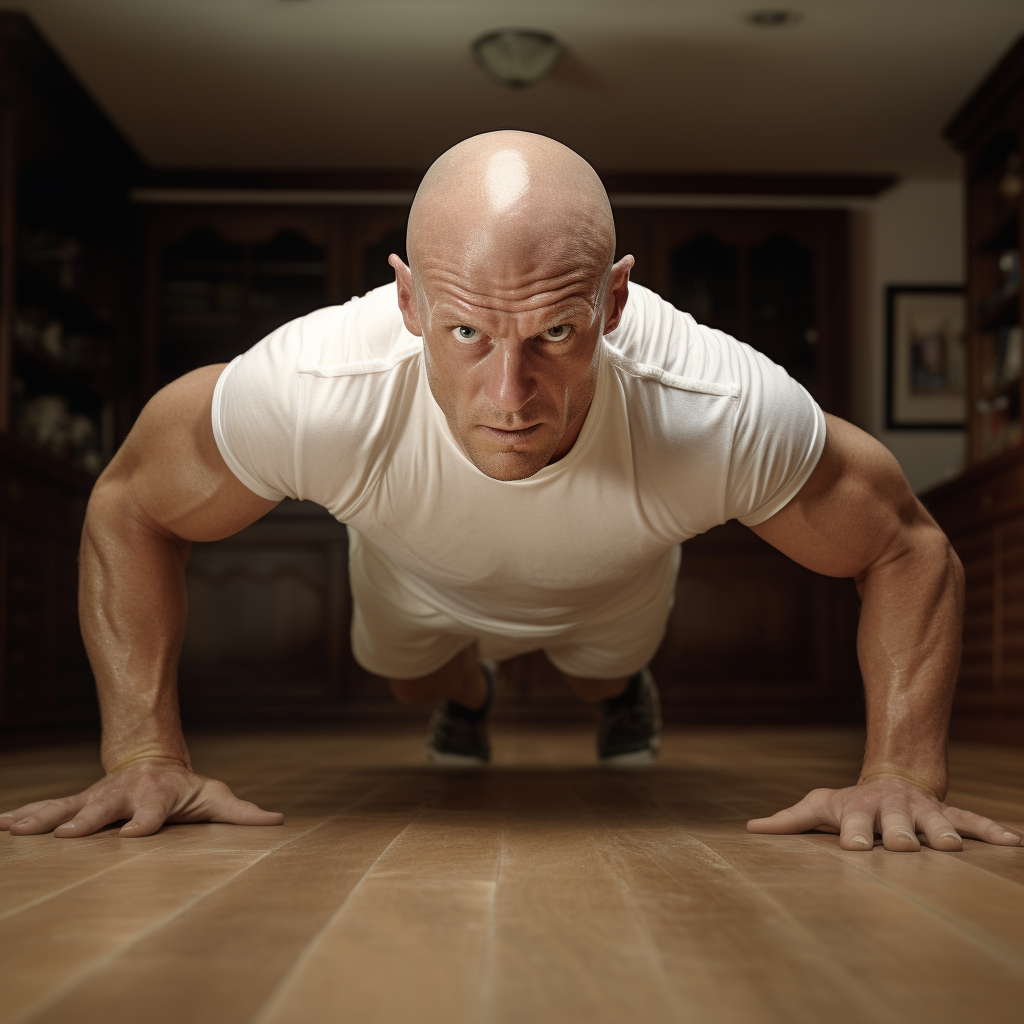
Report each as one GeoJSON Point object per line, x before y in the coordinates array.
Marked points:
{"type": "Point", "coordinates": [594, 690]}
{"type": "Point", "coordinates": [460, 680]}
{"type": "Point", "coordinates": [629, 731]}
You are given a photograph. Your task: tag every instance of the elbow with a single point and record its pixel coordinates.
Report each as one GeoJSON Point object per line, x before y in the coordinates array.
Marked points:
{"type": "Point", "coordinates": [955, 569]}
{"type": "Point", "coordinates": [948, 571]}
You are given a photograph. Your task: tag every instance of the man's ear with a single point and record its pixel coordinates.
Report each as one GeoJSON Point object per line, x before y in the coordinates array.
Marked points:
{"type": "Point", "coordinates": [406, 296]}
{"type": "Point", "coordinates": [616, 293]}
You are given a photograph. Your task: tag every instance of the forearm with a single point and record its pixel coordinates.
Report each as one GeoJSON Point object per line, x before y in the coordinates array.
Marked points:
{"type": "Point", "coordinates": [908, 645]}
{"type": "Point", "coordinates": [132, 608]}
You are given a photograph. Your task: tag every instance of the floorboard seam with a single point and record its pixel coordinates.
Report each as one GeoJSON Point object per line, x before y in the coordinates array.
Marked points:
{"type": "Point", "coordinates": [487, 984]}
{"type": "Point", "coordinates": [81, 881]}
{"type": "Point", "coordinates": [1009, 960]}
{"type": "Point", "coordinates": [95, 966]}
{"type": "Point", "coordinates": [268, 1004]}
{"type": "Point", "coordinates": [838, 968]}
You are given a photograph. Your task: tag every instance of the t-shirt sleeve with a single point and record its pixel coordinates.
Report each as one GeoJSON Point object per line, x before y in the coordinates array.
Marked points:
{"type": "Point", "coordinates": [778, 438]}
{"type": "Point", "coordinates": [255, 414]}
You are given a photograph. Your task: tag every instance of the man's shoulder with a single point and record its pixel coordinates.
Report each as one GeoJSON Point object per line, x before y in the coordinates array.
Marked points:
{"type": "Point", "coordinates": [654, 341]}
{"type": "Point", "coordinates": [365, 335]}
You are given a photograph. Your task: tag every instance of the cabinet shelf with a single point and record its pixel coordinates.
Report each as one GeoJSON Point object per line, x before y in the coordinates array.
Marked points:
{"type": "Point", "coordinates": [1005, 236]}
{"type": "Point", "coordinates": [37, 290]}
{"type": "Point", "coordinates": [1007, 387]}
{"type": "Point", "coordinates": [60, 379]}
{"type": "Point", "coordinates": [999, 311]}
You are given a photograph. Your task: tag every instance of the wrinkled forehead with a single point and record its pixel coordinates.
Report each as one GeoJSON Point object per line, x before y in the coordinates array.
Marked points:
{"type": "Point", "coordinates": [517, 273]}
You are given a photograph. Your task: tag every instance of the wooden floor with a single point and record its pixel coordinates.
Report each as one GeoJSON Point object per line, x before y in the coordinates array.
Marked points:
{"type": "Point", "coordinates": [541, 890]}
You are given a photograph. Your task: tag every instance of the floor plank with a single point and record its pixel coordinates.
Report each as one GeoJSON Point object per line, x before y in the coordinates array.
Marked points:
{"type": "Point", "coordinates": [236, 943]}
{"type": "Point", "coordinates": [542, 889]}
{"type": "Point", "coordinates": [410, 941]}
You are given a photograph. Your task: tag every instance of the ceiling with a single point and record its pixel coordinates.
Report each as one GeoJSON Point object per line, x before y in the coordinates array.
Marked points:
{"type": "Point", "coordinates": [658, 85]}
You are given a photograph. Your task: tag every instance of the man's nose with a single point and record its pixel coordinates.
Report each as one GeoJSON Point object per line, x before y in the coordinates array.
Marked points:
{"type": "Point", "coordinates": [510, 385]}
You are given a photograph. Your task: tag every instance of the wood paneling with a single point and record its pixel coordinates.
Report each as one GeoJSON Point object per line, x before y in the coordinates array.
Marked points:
{"type": "Point", "coordinates": [45, 673]}
{"type": "Point", "coordinates": [983, 515]}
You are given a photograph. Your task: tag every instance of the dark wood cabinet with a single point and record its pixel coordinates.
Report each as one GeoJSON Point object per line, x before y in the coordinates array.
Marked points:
{"type": "Point", "coordinates": [989, 130]}
{"type": "Point", "coordinates": [44, 674]}
{"type": "Point", "coordinates": [776, 279]}
{"type": "Point", "coordinates": [64, 360]}
{"type": "Point", "coordinates": [219, 277]}
{"type": "Point", "coordinates": [983, 510]}
{"type": "Point", "coordinates": [270, 607]}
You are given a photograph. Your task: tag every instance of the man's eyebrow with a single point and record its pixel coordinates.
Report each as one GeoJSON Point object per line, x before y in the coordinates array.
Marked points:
{"type": "Point", "coordinates": [570, 305]}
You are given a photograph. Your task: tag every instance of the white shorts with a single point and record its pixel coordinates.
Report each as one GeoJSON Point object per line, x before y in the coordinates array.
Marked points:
{"type": "Point", "coordinates": [398, 634]}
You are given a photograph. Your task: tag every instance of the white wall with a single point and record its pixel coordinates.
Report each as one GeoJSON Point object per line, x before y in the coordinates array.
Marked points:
{"type": "Point", "coordinates": [913, 234]}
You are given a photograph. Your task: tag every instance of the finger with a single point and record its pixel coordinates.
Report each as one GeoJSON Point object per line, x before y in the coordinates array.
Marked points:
{"type": "Point", "coordinates": [8, 818]}
{"type": "Point", "coordinates": [47, 817]}
{"type": "Point", "coordinates": [91, 818]}
{"type": "Point", "coordinates": [897, 830]}
{"type": "Point", "coordinates": [976, 826]}
{"type": "Point", "coordinates": [801, 817]}
{"type": "Point", "coordinates": [939, 833]}
{"type": "Point", "coordinates": [243, 812]}
{"type": "Point", "coordinates": [145, 822]}
{"type": "Point", "coordinates": [857, 831]}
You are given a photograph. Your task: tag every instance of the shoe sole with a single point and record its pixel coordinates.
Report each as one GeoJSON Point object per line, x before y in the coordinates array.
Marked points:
{"type": "Point", "coordinates": [454, 760]}
{"type": "Point", "coordinates": [632, 759]}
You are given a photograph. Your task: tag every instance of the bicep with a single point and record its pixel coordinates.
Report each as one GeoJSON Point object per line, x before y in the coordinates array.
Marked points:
{"type": "Point", "coordinates": [855, 511]}
{"type": "Point", "coordinates": [170, 473]}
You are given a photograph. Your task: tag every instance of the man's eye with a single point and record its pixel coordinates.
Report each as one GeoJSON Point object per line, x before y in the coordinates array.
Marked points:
{"type": "Point", "coordinates": [559, 333]}
{"type": "Point", "coordinates": [464, 333]}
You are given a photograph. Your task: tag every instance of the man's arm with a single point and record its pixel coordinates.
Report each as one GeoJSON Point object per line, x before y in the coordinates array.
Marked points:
{"type": "Point", "coordinates": [856, 516]}
{"type": "Point", "coordinates": [166, 487]}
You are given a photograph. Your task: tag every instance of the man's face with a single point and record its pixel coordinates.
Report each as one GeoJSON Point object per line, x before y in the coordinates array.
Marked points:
{"type": "Point", "coordinates": [511, 349]}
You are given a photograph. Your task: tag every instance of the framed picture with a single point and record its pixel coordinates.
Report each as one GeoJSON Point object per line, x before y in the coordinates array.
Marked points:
{"type": "Point", "coordinates": [926, 379]}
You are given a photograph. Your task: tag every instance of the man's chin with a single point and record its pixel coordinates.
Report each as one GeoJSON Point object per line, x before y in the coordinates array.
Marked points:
{"type": "Point", "coordinates": [509, 465]}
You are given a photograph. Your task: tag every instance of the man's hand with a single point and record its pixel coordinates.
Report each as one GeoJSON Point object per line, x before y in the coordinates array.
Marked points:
{"type": "Point", "coordinates": [149, 792]}
{"type": "Point", "coordinates": [890, 806]}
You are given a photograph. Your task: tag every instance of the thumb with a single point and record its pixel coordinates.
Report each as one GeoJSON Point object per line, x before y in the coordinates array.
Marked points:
{"type": "Point", "coordinates": [243, 812]}
{"type": "Point", "coordinates": [801, 817]}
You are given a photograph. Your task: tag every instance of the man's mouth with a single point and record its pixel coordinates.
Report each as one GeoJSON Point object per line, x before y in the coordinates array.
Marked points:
{"type": "Point", "coordinates": [510, 436]}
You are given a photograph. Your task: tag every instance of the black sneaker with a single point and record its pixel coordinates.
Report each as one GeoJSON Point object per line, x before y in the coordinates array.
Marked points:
{"type": "Point", "coordinates": [458, 735]}
{"type": "Point", "coordinates": [630, 730]}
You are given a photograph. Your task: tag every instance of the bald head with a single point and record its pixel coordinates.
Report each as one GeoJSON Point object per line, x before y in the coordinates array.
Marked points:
{"type": "Point", "coordinates": [511, 286]}
{"type": "Point", "coordinates": [506, 198]}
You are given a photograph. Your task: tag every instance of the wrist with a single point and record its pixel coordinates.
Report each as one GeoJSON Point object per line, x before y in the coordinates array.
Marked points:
{"type": "Point", "coordinates": [115, 761]}
{"type": "Point", "coordinates": [933, 781]}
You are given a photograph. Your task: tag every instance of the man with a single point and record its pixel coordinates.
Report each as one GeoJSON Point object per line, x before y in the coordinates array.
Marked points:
{"type": "Point", "coordinates": [518, 445]}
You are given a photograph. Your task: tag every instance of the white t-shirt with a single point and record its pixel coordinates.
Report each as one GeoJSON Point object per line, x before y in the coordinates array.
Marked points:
{"type": "Point", "coordinates": [688, 428]}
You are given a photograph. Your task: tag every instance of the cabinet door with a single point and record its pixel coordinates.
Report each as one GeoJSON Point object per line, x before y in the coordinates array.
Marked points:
{"type": "Point", "coordinates": [772, 278]}
{"type": "Point", "coordinates": [269, 611]}
{"type": "Point", "coordinates": [754, 636]}
{"type": "Point", "coordinates": [28, 654]}
{"type": "Point", "coordinates": [374, 233]}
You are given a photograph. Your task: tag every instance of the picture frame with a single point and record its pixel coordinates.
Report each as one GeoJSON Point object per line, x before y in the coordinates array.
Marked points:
{"type": "Point", "coordinates": [926, 357]}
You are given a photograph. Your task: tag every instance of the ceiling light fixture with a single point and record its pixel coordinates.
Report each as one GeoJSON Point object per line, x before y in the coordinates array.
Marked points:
{"type": "Point", "coordinates": [517, 57]}
{"type": "Point", "coordinates": [772, 18]}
